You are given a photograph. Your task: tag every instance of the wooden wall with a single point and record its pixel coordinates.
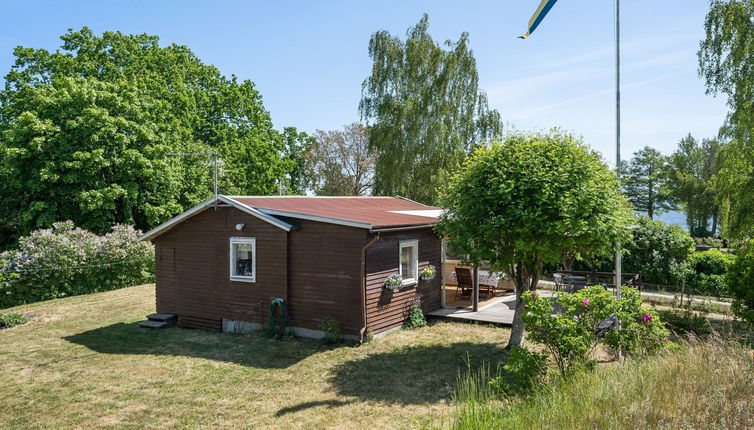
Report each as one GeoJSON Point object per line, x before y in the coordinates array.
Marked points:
{"type": "Point", "coordinates": [325, 275]}
{"type": "Point", "coordinates": [193, 279]}
{"type": "Point", "coordinates": [387, 309]}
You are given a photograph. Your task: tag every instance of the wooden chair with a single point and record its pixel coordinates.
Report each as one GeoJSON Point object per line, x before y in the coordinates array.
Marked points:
{"type": "Point", "coordinates": [465, 281]}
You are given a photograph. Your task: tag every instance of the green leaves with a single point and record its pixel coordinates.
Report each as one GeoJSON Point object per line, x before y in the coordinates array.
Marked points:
{"type": "Point", "coordinates": [726, 61]}
{"type": "Point", "coordinates": [426, 110]}
{"type": "Point", "coordinates": [84, 132]}
{"type": "Point", "coordinates": [531, 199]}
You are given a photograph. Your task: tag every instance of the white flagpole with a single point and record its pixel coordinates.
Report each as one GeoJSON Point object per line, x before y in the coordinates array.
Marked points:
{"type": "Point", "coordinates": [618, 274]}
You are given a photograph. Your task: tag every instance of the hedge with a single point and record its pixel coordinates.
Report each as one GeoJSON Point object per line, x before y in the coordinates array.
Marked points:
{"type": "Point", "coordinates": [66, 260]}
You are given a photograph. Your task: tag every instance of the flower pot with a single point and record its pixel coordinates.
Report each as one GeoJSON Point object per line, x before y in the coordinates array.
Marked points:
{"type": "Point", "coordinates": [428, 278]}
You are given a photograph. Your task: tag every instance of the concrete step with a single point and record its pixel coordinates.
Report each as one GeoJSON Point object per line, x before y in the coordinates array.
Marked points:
{"type": "Point", "coordinates": [153, 324]}
{"type": "Point", "coordinates": [169, 318]}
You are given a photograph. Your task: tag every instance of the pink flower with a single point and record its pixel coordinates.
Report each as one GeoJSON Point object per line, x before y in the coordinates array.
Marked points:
{"type": "Point", "coordinates": [647, 317]}
{"type": "Point", "coordinates": [585, 302]}
{"type": "Point", "coordinates": [665, 340]}
{"type": "Point", "coordinates": [534, 294]}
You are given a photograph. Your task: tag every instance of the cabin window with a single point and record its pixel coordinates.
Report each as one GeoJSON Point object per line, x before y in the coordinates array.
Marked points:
{"type": "Point", "coordinates": [243, 259]}
{"type": "Point", "coordinates": [409, 257]}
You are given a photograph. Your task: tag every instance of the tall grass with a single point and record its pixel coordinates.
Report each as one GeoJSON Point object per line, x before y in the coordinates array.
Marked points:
{"type": "Point", "coordinates": [707, 385]}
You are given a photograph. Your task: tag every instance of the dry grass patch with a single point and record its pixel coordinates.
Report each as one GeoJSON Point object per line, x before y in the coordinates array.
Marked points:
{"type": "Point", "coordinates": [82, 362]}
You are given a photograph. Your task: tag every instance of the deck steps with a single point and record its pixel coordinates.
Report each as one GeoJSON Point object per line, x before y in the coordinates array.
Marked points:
{"type": "Point", "coordinates": [158, 320]}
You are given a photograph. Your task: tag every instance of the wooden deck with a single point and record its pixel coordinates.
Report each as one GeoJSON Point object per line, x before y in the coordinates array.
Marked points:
{"type": "Point", "coordinates": [496, 310]}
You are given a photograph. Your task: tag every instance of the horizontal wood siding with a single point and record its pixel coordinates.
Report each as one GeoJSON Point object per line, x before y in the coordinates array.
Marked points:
{"type": "Point", "coordinates": [193, 280]}
{"type": "Point", "coordinates": [387, 309]}
{"type": "Point", "coordinates": [325, 275]}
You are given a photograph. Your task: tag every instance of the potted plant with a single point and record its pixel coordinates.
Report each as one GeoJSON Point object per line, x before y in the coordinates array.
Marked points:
{"type": "Point", "coordinates": [428, 273]}
{"type": "Point", "coordinates": [393, 282]}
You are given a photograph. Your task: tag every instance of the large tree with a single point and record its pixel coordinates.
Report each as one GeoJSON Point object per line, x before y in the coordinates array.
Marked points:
{"type": "Point", "coordinates": [342, 162]}
{"type": "Point", "coordinates": [691, 175]}
{"type": "Point", "coordinates": [726, 62]}
{"type": "Point", "coordinates": [425, 110]}
{"type": "Point", "coordinates": [85, 130]}
{"type": "Point", "coordinates": [644, 178]}
{"type": "Point", "coordinates": [525, 202]}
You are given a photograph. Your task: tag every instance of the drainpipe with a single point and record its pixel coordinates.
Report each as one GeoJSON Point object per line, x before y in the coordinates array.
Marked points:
{"type": "Point", "coordinates": [364, 285]}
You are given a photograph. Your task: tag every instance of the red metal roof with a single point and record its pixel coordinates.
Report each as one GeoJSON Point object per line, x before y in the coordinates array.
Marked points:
{"type": "Point", "coordinates": [379, 212]}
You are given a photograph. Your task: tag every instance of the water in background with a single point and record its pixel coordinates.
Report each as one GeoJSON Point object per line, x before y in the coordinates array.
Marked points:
{"type": "Point", "coordinates": [673, 217]}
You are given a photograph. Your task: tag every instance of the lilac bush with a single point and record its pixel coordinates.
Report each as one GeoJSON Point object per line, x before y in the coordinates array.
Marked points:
{"type": "Point", "coordinates": [66, 260]}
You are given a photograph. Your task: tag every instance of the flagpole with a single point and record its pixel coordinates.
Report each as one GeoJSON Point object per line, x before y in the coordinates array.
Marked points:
{"type": "Point", "coordinates": [618, 274]}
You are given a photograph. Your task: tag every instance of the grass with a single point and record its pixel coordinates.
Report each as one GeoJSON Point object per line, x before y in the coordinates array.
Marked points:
{"type": "Point", "coordinates": [82, 362]}
{"type": "Point", "coordinates": [701, 385]}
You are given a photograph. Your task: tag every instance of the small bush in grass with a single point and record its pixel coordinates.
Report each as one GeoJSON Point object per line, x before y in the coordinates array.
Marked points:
{"type": "Point", "coordinates": [686, 320]}
{"type": "Point", "coordinates": [523, 371]}
{"type": "Point", "coordinates": [8, 320]}
{"type": "Point", "coordinates": [587, 317]}
{"type": "Point", "coordinates": [415, 316]}
{"type": "Point", "coordinates": [332, 330]}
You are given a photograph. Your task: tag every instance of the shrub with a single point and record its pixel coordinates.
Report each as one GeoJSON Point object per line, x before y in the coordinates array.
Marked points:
{"type": "Point", "coordinates": [588, 317]}
{"type": "Point", "coordinates": [740, 283]}
{"type": "Point", "coordinates": [657, 251]}
{"type": "Point", "coordinates": [685, 320]}
{"type": "Point", "coordinates": [706, 272]}
{"type": "Point", "coordinates": [523, 371]}
{"type": "Point", "coordinates": [415, 315]}
{"type": "Point", "coordinates": [8, 320]}
{"type": "Point", "coordinates": [332, 330]}
{"type": "Point", "coordinates": [65, 260]}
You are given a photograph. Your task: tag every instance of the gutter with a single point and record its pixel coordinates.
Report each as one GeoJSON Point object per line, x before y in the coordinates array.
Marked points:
{"type": "Point", "coordinates": [364, 285]}
{"type": "Point", "coordinates": [410, 227]}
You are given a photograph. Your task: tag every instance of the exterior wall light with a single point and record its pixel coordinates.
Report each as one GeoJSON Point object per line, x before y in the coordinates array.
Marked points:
{"type": "Point", "coordinates": [240, 227]}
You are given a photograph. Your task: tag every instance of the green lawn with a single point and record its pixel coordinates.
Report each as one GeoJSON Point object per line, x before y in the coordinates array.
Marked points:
{"type": "Point", "coordinates": [82, 362]}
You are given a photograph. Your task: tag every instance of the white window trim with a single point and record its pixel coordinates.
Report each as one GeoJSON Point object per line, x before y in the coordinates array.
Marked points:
{"type": "Point", "coordinates": [409, 243]}
{"type": "Point", "coordinates": [231, 257]}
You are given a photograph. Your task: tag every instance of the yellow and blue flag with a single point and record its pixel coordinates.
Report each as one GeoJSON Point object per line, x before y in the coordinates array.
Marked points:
{"type": "Point", "coordinates": [538, 16]}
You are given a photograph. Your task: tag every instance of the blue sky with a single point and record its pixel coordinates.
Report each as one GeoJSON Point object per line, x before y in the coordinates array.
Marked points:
{"type": "Point", "coordinates": [308, 58]}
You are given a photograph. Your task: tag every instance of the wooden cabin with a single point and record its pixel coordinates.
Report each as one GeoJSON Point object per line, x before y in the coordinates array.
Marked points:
{"type": "Point", "coordinates": [221, 263]}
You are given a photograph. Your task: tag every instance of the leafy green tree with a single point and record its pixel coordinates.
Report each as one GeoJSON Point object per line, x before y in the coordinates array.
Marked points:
{"type": "Point", "coordinates": [425, 111]}
{"type": "Point", "coordinates": [103, 98]}
{"type": "Point", "coordinates": [644, 178]}
{"type": "Point", "coordinates": [726, 61]}
{"type": "Point", "coordinates": [297, 155]}
{"type": "Point", "coordinates": [93, 151]}
{"type": "Point", "coordinates": [526, 201]}
{"type": "Point", "coordinates": [691, 174]}
{"type": "Point", "coordinates": [342, 162]}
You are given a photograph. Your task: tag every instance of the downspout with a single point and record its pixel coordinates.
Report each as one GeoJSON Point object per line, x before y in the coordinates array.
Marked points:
{"type": "Point", "coordinates": [364, 286]}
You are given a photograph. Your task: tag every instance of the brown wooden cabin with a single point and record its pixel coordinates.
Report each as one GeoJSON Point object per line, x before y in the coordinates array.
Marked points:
{"type": "Point", "coordinates": [219, 264]}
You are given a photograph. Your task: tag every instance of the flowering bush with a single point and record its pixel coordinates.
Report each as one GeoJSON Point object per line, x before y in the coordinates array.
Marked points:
{"type": "Point", "coordinates": [571, 325]}
{"type": "Point", "coordinates": [65, 260]}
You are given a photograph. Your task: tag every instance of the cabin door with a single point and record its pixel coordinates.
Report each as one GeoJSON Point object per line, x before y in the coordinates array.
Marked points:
{"type": "Point", "coordinates": [167, 301]}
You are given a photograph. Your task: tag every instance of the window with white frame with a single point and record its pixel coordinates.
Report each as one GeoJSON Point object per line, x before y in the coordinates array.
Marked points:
{"type": "Point", "coordinates": [409, 258]}
{"type": "Point", "coordinates": [243, 259]}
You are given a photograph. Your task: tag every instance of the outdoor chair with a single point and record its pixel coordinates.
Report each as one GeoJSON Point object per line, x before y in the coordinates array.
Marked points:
{"type": "Point", "coordinates": [465, 281]}
{"type": "Point", "coordinates": [560, 283]}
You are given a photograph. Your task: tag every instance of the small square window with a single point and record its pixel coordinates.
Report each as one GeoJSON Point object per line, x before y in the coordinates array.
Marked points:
{"type": "Point", "coordinates": [243, 259]}
{"type": "Point", "coordinates": [409, 261]}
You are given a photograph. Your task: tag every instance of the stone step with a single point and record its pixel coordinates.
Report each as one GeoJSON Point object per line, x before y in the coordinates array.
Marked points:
{"type": "Point", "coordinates": [162, 317]}
{"type": "Point", "coordinates": [153, 324]}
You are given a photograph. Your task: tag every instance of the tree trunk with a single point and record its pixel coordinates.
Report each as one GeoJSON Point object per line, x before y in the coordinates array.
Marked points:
{"type": "Point", "coordinates": [714, 222]}
{"type": "Point", "coordinates": [524, 282]}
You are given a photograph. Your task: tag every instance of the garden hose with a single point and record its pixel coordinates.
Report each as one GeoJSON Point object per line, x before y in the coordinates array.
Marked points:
{"type": "Point", "coordinates": [278, 317]}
